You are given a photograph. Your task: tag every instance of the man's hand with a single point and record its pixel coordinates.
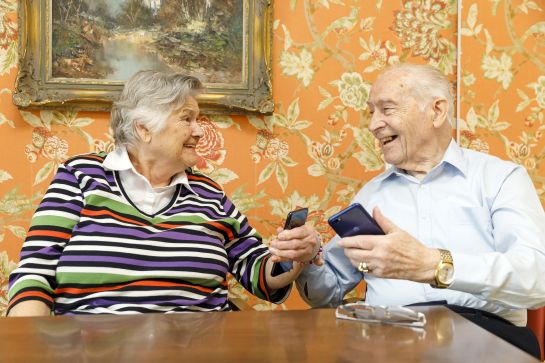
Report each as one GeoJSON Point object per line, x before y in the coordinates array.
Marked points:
{"type": "Point", "coordinates": [395, 255]}
{"type": "Point", "coordinates": [298, 244]}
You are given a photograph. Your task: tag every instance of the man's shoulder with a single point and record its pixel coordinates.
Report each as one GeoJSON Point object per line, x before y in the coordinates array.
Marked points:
{"type": "Point", "coordinates": [373, 185]}
{"type": "Point", "coordinates": [478, 162]}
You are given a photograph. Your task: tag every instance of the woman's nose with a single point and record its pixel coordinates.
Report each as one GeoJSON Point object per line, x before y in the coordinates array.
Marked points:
{"type": "Point", "coordinates": [197, 130]}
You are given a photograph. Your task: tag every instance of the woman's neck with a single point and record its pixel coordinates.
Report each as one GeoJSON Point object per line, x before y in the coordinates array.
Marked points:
{"type": "Point", "coordinates": [157, 174]}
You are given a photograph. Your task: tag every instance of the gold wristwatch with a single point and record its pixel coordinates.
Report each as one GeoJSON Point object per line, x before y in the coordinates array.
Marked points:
{"type": "Point", "coordinates": [444, 273]}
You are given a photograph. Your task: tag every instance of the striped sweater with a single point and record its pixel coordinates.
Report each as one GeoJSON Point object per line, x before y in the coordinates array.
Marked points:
{"type": "Point", "coordinates": [90, 250]}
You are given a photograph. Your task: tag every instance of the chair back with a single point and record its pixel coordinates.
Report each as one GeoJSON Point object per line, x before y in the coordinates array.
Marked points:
{"type": "Point", "coordinates": [536, 322]}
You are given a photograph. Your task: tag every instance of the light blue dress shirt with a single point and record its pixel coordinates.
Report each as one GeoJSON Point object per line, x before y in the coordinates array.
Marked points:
{"type": "Point", "coordinates": [481, 208]}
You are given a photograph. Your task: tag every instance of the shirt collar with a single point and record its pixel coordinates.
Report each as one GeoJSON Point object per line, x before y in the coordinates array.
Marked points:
{"type": "Point", "coordinates": [119, 160]}
{"type": "Point", "coordinates": [453, 156]}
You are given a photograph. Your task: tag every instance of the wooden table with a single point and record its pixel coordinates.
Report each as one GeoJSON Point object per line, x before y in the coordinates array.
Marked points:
{"type": "Point", "coordinates": [248, 336]}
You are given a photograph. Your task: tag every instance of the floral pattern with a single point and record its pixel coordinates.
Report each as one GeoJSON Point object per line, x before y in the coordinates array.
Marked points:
{"type": "Point", "coordinates": [211, 146]}
{"type": "Point", "coordinates": [315, 150]}
{"type": "Point", "coordinates": [8, 36]}
{"type": "Point", "coordinates": [509, 70]}
{"type": "Point", "coordinates": [6, 266]}
{"type": "Point", "coordinates": [419, 26]}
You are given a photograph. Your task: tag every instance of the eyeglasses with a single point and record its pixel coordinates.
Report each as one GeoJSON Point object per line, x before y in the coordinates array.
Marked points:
{"type": "Point", "coordinates": [396, 315]}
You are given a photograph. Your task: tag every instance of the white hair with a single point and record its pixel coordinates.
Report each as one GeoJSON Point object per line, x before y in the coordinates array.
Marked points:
{"type": "Point", "coordinates": [149, 97]}
{"type": "Point", "coordinates": [428, 83]}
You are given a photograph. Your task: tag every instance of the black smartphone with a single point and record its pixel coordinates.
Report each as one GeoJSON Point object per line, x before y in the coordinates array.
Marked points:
{"type": "Point", "coordinates": [354, 221]}
{"type": "Point", "coordinates": [296, 218]}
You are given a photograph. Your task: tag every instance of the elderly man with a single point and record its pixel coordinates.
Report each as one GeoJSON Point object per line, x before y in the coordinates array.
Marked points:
{"type": "Point", "coordinates": [461, 227]}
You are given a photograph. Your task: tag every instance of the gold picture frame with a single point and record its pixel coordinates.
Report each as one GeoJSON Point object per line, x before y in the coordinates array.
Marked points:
{"type": "Point", "coordinates": [38, 88]}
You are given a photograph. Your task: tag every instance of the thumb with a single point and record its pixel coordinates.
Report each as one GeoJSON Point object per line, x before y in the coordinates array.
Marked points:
{"type": "Point", "coordinates": [387, 225]}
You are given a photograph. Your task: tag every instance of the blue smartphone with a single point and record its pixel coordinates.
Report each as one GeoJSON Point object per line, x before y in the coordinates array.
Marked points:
{"type": "Point", "coordinates": [296, 218]}
{"type": "Point", "coordinates": [354, 221]}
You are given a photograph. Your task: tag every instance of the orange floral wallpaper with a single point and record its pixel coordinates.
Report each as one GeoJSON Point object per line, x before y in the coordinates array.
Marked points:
{"type": "Point", "coordinates": [502, 86]}
{"type": "Point", "coordinates": [315, 150]}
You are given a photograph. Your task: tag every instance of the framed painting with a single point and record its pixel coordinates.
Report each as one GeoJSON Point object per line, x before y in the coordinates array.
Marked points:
{"type": "Point", "coordinates": [76, 54]}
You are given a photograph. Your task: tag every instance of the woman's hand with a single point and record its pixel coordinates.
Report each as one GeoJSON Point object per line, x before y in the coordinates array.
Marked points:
{"type": "Point", "coordinates": [30, 308]}
{"type": "Point", "coordinates": [298, 244]}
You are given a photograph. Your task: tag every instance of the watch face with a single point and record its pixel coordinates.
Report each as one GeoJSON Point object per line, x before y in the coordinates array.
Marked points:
{"type": "Point", "coordinates": [445, 274]}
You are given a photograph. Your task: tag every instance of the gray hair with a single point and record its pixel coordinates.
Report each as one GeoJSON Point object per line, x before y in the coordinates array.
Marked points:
{"type": "Point", "coordinates": [428, 83]}
{"type": "Point", "coordinates": [149, 97]}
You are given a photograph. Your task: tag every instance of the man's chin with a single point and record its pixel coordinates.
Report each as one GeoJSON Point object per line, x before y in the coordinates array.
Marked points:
{"type": "Point", "coordinates": [391, 159]}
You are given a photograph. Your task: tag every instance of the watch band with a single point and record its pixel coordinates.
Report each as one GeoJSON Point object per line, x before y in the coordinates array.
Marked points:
{"type": "Point", "coordinates": [446, 262]}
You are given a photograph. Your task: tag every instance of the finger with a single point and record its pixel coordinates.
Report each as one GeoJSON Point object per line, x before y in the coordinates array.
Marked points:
{"type": "Point", "coordinates": [301, 233]}
{"type": "Point", "coordinates": [275, 258]}
{"type": "Point", "coordinates": [292, 255]}
{"type": "Point", "coordinates": [357, 256]}
{"type": "Point", "coordinates": [384, 223]}
{"type": "Point", "coordinates": [359, 242]}
{"type": "Point", "coordinates": [292, 244]}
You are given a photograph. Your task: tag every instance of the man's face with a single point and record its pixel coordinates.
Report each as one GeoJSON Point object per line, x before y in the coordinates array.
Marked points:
{"type": "Point", "coordinates": [400, 122]}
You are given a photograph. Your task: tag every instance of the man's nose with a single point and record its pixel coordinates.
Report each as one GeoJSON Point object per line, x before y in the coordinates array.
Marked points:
{"type": "Point", "coordinates": [375, 122]}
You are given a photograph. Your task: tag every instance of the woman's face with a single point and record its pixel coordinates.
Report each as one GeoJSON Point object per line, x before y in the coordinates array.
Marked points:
{"type": "Point", "coordinates": [176, 143]}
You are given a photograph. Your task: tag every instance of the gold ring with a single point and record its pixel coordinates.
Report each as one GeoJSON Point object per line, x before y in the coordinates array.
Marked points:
{"type": "Point", "coordinates": [363, 267]}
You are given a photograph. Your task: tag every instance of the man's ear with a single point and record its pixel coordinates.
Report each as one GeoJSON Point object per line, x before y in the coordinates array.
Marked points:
{"type": "Point", "coordinates": [440, 112]}
{"type": "Point", "coordinates": [142, 131]}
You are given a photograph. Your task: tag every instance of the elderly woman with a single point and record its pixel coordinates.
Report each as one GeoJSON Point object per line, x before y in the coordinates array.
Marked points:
{"type": "Point", "coordinates": [137, 230]}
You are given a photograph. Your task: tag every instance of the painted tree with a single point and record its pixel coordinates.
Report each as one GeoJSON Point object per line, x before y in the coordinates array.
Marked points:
{"type": "Point", "coordinates": [66, 10]}
{"type": "Point", "coordinates": [135, 13]}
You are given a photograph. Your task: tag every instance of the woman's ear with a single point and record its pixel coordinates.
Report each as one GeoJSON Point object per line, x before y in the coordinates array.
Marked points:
{"type": "Point", "coordinates": [142, 131]}
{"type": "Point", "coordinates": [440, 112]}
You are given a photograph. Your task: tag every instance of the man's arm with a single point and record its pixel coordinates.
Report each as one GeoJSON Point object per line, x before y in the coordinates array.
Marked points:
{"type": "Point", "coordinates": [513, 274]}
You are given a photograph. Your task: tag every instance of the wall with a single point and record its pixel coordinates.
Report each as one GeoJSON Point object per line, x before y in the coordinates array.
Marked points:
{"type": "Point", "coordinates": [314, 150]}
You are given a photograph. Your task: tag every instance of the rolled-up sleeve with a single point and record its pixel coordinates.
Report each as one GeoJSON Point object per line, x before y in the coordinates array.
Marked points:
{"type": "Point", "coordinates": [248, 256]}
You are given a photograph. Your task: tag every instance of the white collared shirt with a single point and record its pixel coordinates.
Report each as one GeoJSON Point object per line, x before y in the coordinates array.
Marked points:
{"type": "Point", "coordinates": [139, 190]}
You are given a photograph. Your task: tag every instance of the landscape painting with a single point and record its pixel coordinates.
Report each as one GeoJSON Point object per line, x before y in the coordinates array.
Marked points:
{"type": "Point", "coordinates": [112, 39]}
{"type": "Point", "coordinates": [77, 54]}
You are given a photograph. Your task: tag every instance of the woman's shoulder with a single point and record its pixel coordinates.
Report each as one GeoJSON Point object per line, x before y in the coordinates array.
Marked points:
{"type": "Point", "coordinates": [195, 178]}
{"type": "Point", "coordinates": [89, 160]}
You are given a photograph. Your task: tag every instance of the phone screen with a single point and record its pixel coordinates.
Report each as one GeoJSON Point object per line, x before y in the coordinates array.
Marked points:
{"type": "Point", "coordinates": [296, 218]}
{"type": "Point", "coordinates": [354, 221]}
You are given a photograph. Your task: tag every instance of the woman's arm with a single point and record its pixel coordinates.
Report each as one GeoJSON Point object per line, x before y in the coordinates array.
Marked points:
{"type": "Point", "coordinates": [284, 279]}
{"type": "Point", "coordinates": [298, 244]}
{"type": "Point", "coordinates": [30, 308]}
{"type": "Point", "coordinates": [33, 282]}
